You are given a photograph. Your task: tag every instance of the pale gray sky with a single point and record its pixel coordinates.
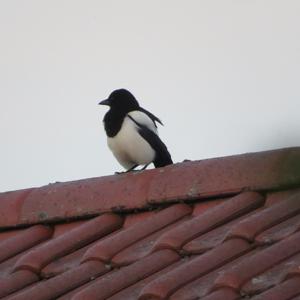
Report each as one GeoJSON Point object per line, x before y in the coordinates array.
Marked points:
{"type": "Point", "coordinates": [222, 75]}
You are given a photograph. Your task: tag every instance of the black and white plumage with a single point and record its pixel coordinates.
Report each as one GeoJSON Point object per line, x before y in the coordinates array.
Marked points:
{"type": "Point", "coordinates": [132, 132]}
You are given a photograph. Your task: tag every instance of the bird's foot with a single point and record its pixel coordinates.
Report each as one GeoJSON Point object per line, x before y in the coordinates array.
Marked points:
{"type": "Point", "coordinates": [132, 169]}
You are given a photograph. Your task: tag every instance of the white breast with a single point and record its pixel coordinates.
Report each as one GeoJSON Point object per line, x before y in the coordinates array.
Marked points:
{"type": "Point", "coordinates": [128, 146]}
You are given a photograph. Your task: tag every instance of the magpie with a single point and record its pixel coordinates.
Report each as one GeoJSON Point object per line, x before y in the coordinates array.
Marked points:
{"type": "Point", "coordinates": [132, 133]}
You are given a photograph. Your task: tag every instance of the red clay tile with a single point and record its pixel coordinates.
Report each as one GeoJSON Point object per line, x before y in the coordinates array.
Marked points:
{"type": "Point", "coordinates": [88, 197]}
{"type": "Point", "coordinates": [9, 233]}
{"type": "Point", "coordinates": [270, 216]}
{"type": "Point", "coordinates": [264, 171]}
{"type": "Point", "coordinates": [280, 231]}
{"type": "Point", "coordinates": [209, 220]}
{"type": "Point", "coordinates": [267, 170]}
{"type": "Point", "coordinates": [202, 286]}
{"type": "Point", "coordinates": [278, 196]}
{"type": "Point", "coordinates": [259, 263]}
{"type": "Point", "coordinates": [7, 266]}
{"type": "Point", "coordinates": [284, 291]}
{"type": "Point", "coordinates": [60, 229]}
{"type": "Point", "coordinates": [23, 240]}
{"type": "Point", "coordinates": [212, 238]}
{"type": "Point", "coordinates": [294, 271]}
{"type": "Point", "coordinates": [109, 285]}
{"type": "Point", "coordinates": [135, 218]}
{"type": "Point", "coordinates": [203, 206]}
{"type": "Point", "coordinates": [107, 248]}
{"type": "Point", "coordinates": [10, 207]}
{"type": "Point", "coordinates": [76, 238]}
{"type": "Point", "coordinates": [163, 287]}
{"type": "Point", "coordinates": [141, 248]}
{"type": "Point", "coordinates": [133, 291]}
{"type": "Point", "coordinates": [223, 294]}
{"type": "Point", "coordinates": [65, 263]}
{"type": "Point", "coordinates": [16, 281]}
{"type": "Point", "coordinates": [271, 277]}
{"type": "Point", "coordinates": [56, 286]}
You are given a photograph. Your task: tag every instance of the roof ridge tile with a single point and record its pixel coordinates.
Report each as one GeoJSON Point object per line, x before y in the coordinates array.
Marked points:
{"type": "Point", "coordinates": [11, 205]}
{"type": "Point", "coordinates": [76, 238]}
{"type": "Point", "coordinates": [223, 176]}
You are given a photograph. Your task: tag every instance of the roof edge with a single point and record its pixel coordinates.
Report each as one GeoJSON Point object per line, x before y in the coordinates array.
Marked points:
{"type": "Point", "coordinates": [190, 180]}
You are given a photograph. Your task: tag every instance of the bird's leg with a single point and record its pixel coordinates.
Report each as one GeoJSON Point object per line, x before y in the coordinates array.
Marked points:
{"type": "Point", "coordinates": [131, 169]}
{"type": "Point", "coordinates": [144, 167]}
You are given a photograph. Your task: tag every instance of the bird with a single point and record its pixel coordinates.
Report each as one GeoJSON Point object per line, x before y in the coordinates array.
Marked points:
{"type": "Point", "coordinates": [132, 134]}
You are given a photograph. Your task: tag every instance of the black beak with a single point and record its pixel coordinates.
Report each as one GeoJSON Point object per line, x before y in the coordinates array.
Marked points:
{"type": "Point", "coordinates": [105, 102]}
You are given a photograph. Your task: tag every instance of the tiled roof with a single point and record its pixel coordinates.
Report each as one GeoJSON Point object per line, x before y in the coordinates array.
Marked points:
{"type": "Point", "coordinates": [224, 228]}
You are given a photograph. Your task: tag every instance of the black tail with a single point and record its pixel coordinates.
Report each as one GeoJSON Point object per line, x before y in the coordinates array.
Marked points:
{"type": "Point", "coordinates": [163, 157]}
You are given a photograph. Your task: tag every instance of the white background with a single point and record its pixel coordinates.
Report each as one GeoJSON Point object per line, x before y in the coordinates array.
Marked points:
{"type": "Point", "coordinates": [222, 75]}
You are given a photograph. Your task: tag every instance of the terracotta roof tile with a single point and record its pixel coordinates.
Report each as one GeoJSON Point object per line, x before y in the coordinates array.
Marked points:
{"type": "Point", "coordinates": [251, 226]}
{"type": "Point", "coordinates": [278, 196]}
{"type": "Point", "coordinates": [143, 247]}
{"type": "Point", "coordinates": [133, 291]}
{"type": "Point", "coordinates": [209, 220]}
{"type": "Point", "coordinates": [203, 285]}
{"type": "Point", "coordinates": [11, 205]}
{"type": "Point", "coordinates": [162, 288]}
{"type": "Point", "coordinates": [58, 285]}
{"type": "Point", "coordinates": [129, 275]}
{"type": "Point", "coordinates": [65, 263]}
{"type": "Point", "coordinates": [23, 240]}
{"type": "Point", "coordinates": [260, 262]}
{"type": "Point", "coordinates": [279, 231]}
{"type": "Point", "coordinates": [78, 237]}
{"type": "Point", "coordinates": [16, 281]}
{"type": "Point", "coordinates": [264, 171]}
{"type": "Point", "coordinates": [225, 228]}
{"type": "Point", "coordinates": [228, 175]}
{"type": "Point", "coordinates": [212, 238]}
{"type": "Point", "coordinates": [284, 291]}
{"type": "Point", "coordinates": [271, 277]}
{"type": "Point", "coordinates": [107, 248]}
{"type": "Point", "coordinates": [200, 208]}
{"type": "Point", "coordinates": [223, 294]}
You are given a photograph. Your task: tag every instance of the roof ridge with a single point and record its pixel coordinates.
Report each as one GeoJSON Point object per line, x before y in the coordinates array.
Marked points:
{"type": "Point", "coordinates": [186, 181]}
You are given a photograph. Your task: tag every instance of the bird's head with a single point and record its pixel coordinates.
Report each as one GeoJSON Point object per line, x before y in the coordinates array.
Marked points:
{"type": "Point", "coordinates": [121, 100]}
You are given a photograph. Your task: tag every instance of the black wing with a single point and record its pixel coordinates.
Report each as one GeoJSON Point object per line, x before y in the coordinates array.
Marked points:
{"type": "Point", "coordinates": [151, 116]}
{"type": "Point", "coordinates": [162, 155]}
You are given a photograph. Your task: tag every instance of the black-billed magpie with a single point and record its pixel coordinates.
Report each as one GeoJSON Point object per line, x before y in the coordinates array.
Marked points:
{"type": "Point", "coordinates": [132, 132]}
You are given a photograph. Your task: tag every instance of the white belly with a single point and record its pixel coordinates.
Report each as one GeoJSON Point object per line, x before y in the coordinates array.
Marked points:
{"type": "Point", "coordinates": [129, 147]}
